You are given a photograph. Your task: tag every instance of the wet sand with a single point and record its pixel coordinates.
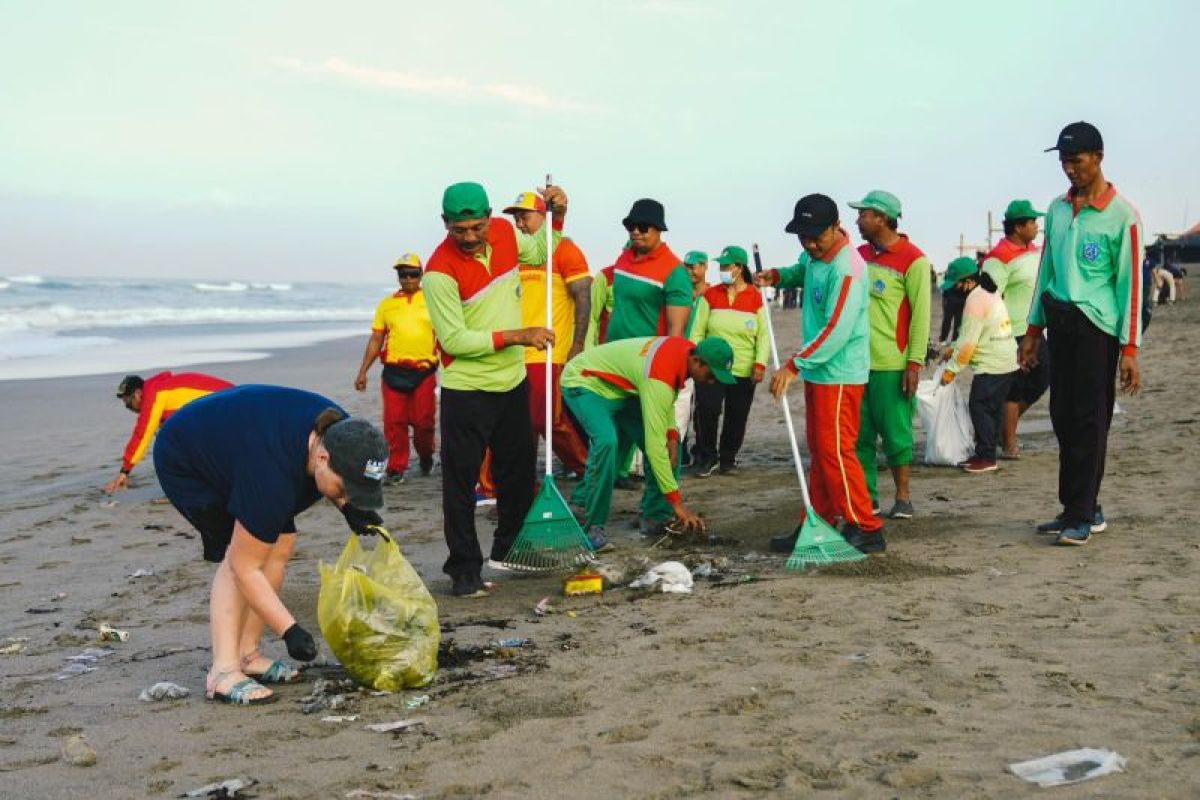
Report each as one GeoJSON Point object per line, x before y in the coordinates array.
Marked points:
{"type": "Point", "coordinates": [972, 644]}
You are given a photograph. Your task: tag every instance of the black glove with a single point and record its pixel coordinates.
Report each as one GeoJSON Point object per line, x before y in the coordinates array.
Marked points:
{"type": "Point", "coordinates": [300, 644]}
{"type": "Point", "coordinates": [362, 522]}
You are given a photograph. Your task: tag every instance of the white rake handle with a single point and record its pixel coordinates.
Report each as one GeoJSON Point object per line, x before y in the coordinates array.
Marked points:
{"type": "Point", "coordinates": [549, 350]}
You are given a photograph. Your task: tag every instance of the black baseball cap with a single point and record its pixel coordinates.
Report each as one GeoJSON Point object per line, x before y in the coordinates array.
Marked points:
{"type": "Point", "coordinates": [1078, 137]}
{"type": "Point", "coordinates": [812, 215]}
{"type": "Point", "coordinates": [129, 384]}
{"type": "Point", "coordinates": [358, 453]}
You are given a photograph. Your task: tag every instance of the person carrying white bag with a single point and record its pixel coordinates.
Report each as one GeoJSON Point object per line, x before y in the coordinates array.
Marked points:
{"type": "Point", "coordinates": [949, 435]}
{"type": "Point", "coordinates": [986, 344]}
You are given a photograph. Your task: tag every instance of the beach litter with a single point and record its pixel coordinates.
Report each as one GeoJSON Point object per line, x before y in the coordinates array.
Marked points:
{"type": "Point", "coordinates": [1071, 766]}
{"type": "Point", "coordinates": [512, 643]}
{"type": "Point", "coordinates": [395, 727]}
{"type": "Point", "coordinates": [77, 752]}
{"type": "Point", "coordinates": [164, 690]}
{"type": "Point", "coordinates": [340, 718]}
{"type": "Point", "coordinates": [992, 572]}
{"type": "Point", "coordinates": [81, 663]}
{"type": "Point", "coordinates": [669, 577]}
{"type": "Point", "coordinates": [416, 702]}
{"type": "Point", "coordinates": [229, 789]}
{"type": "Point", "coordinates": [107, 633]}
{"type": "Point", "coordinates": [13, 646]}
{"type": "Point", "coordinates": [544, 608]}
{"type": "Point", "coordinates": [141, 573]}
{"type": "Point", "coordinates": [380, 795]}
{"type": "Point", "coordinates": [326, 695]}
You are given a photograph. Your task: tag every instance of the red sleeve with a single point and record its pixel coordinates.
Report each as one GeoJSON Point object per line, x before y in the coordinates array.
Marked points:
{"type": "Point", "coordinates": [141, 430]}
{"type": "Point", "coordinates": [569, 261]}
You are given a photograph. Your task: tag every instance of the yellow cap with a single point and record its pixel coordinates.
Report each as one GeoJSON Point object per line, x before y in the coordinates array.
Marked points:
{"type": "Point", "coordinates": [408, 260]}
{"type": "Point", "coordinates": [527, 201]}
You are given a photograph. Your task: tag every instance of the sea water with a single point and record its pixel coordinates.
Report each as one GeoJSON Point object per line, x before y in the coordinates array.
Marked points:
{"type": "Point", "coordinates": [54, 327]}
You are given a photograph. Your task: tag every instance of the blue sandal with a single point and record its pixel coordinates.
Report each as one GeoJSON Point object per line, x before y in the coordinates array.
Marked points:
{"type": "Point", "coordinates": [239, 693]}
{"type": "Point", "coordinates": [278, 672]}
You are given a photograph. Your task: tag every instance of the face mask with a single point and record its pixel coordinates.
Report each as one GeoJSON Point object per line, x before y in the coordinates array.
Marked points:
{"type": "Point", "coordinates": [727, 278]}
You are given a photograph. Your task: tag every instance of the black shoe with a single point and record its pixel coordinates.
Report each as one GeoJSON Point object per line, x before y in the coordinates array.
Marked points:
{"type": "Point", "coordinates": [626, 484]}
{"type": "Point", "coordinates": [468, 586]}
{"type": "Point", "coordinates": [785, 543]}
{"type": "Point", "coordinates": [728, 469]}
{"type": "Point", "coordinates": [869, 543]}
{"type": "Point", "coordinates": [426, 465]}
{"type": "Point", "coordinates": [705, 468]}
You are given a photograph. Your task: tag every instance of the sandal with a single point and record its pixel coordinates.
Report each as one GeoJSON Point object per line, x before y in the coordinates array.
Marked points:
{"type": "Point", "coordinates": [239, 693]}
{"type": "Point", "coordinates": [278, 672]}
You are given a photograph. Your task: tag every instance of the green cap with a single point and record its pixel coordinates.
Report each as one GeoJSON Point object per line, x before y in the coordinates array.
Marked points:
{"type": "Point", "coordinates": [718, 355]}
{"type": "Point", "coordinates": [732, 255]}
{"type": "Point", "coordinates": [956, 270]}
{"type": "Point", "coordinates": [695, 257]}
{"type": "Point", "coordinates": [1021, 209]}
{"type": "Point", "coordinates": [465, 201]}
{"type": "Point", "coordinates": [885, 203]}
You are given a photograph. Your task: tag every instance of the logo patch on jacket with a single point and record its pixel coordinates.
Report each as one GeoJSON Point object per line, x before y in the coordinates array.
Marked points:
{"type": "Point", "coordinates": [1091, 251]}
{"type": "Point", "coordinates": [374, 470]}
{"type": "Point", "coordinates": [817, 296]}
{"type": "Point", "coordinates": [877, 287]}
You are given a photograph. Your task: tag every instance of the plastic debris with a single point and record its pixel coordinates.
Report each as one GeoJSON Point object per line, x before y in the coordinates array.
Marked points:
{"type": "Point", "coordinates": [81, 663]}
{"type": "Point", "coordinates": [416, 702]}
{"type": "Point", "coordinates": [111, 634]}
{"type": "Point", "coordinates": [141, 573]}
{"type": "Point", "coordinates": [1071, 766]}
{"type": "Point", "coordinates": [164, 690]}
{"type": "Point", "coordinates": [12, 646]}
{"type": "Point", "coordinates": [57, 597]}
{"type": "Point", "coordinates": [77, 752]}
{"type": "Point", "coordinates": [670, 577]}
{"type": "Point", "coordinates": [705, 570]}
{"type": "Point", "coordinates": [341, 718]}
{"type": "Point", "coordinates": [395, 727]}
{"type": "Point", "coordinates": [992, 572]}
{"type": "Point", "coordinates": [543, 607]}
{"type": "Point", "coordinates": [230, 789]}
{"type": "Point", "coordinates": [326, 695]}
{"type": "Point", "coordinates": [379, 795]}
{"type": "Point", "coordinates": [511, 643]}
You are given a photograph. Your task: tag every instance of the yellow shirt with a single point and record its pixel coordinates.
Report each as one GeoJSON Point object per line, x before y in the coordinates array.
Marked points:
{"type": "Point", "coordinates": [569, 266]}
{"type": "Point", "coordinates": [409, 333]}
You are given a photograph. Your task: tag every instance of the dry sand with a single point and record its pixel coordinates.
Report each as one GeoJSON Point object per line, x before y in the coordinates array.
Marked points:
{"type": "Point", "coordinates": [971, 644]}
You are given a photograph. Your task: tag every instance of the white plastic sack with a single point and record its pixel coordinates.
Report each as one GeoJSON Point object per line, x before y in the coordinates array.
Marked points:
{"type": "Point", "coordinates": [670, 577]}
{"type": "Point", "coordinates": [949, 434]}
{"type": "Point", "coordinates": [1072, 766]}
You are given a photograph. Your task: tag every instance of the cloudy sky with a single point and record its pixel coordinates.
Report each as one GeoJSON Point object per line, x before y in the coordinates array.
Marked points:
{"type": "Point", "coordinates": [311, 140]}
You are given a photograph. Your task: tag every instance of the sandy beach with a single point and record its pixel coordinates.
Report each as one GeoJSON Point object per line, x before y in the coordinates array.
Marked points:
{"type": "Point", "coordinates": [972, 644]}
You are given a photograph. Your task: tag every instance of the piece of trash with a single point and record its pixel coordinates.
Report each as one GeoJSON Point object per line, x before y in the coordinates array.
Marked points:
{"type": "Point", "coordinates": [670, 577]}
{"type": "Point", "coordinates": [141, 573]}
{"type": "Point", "coordinates": [543, 607]}
{"type": "Point", "coordinates": [571, 615]}
{"type": "Point", "coordinates": [379, 795]}
{"type": "Point", "coordinates": [752, 556]}
{"type": "Point", "coordinates": [77, 752]}
{"type": "Point", "coordinates": [583, 583]}
{"type": "Point", "coordinates": [42, 610]}
{"type": "Point", "coordinates": [164, 690]}
{"type": "Point", "coordinates": [992, 572]}
{"type": "Point", "coordinates": [343, 718]}
{"type": "Point", "coordinates": [109, 504]}
{"type": "Point", "coordinates": [230, 789]}
{"type": "Point", "coordinates": [395, 727]}
{"type": "Point", "coordinates": [705, 570]}
{"type": "Point", "coordinates": [72, 671]}
{"type": "Point", "coordinates": [857, 658]}
{"type": "Point", "coordinates": [89, 655]}
{"type": "Point", "coordinates": [57, 598]}
{"type": "Point", "coordinates": [13, 645]}
{"type": "Point", "coordinates": [81, 663]}
{"type": "Point", "coordinates": [416, 702]}
{"type": "Point", "coordinates": [511, 643]}
{"type": "Point", "coordinates": [111, 634]}
{"type": "Point", "coordinates": [1071, 766]}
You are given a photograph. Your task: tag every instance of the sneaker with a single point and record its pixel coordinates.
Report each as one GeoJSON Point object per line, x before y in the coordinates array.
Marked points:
{"type": "Point", "coordinates": [426, 465]}
{"type": "Point", "coordinates": [976, 465]}
{"type": "Point", "coordinates": [785, 543]}
{"type": "Point", "coordinates": [1076, 534]}
{"type": "Point", "coordinates": [468, 586]}
{"type": "Point", "coordinates": [394, 478]}
{"type": "Point", "coordinates": [598, 539]}
{"type": "Point", "coordinates": [482, 499]}
{"type": "Point", "coordinates": [871, 543]}
{"type": "Point", "coordinates": [1099, 525]}
{"type": "Point", "coordinates": [728, 469]}
{"type": "Point", "coordinates": [901, 509]}
{"type": "Point", "coordinates": [1059, 523]}
{"type": "Point", "coordinates": [705, 468]}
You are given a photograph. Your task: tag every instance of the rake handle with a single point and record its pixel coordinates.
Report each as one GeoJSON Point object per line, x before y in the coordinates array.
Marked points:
{"type": "Point", "coordinates": [787, 411]}
{"type": "Point", "coordinates": [549, 434]}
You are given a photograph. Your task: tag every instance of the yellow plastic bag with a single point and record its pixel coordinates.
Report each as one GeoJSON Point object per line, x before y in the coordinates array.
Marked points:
{"type": "Point", "coordinates": [378, 617]}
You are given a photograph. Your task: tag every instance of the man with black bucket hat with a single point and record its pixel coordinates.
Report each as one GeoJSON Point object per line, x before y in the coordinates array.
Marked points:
{"type": "Point", "coordinates": [240, 465]}
{"type": "Point", "coordinates": [833, 362]}
{"type": "Point", "coordinates": [1088, 299]}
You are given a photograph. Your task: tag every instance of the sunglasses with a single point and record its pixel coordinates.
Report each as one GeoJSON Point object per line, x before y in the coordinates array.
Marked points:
{"type": "Point", "coordinates": [640, 227]}
{"type": "Point", "coordinates": [408, 273]}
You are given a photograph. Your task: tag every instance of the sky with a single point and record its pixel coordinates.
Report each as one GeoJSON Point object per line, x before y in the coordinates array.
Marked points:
{"type": "Point", "coordinates": [312, 140]}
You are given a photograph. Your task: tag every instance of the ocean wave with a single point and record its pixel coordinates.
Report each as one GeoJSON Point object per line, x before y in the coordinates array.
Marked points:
{"type": "Point", "coordinates": [60, 316]}
{"type": "Point", "coordinates": [18, 347]}
{"type": "Point", "coordinates": [272, 287]}
{"type": "Point", "coordinates": [4, 285]}
{"type": "Point", "coordinates": [30, 279]}
{"type": "Point", "coordinates": [231, 286]}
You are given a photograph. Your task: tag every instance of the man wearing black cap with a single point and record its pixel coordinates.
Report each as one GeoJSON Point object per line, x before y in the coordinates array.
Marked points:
{"type": "Point", "coordinates": [834, 361]}
{"type": "Point", "coordinates": [1088, 299]}
{"type": "Point", "coordinates": [154, 400]}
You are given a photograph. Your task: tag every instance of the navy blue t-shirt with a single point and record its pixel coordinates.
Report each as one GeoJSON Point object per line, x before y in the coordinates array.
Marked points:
{"type": "Point", "coordinates": [244, 449]}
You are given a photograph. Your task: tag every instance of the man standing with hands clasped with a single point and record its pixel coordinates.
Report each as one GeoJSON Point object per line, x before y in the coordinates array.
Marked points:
{"type": "Point", "coordinates": [1088, 299]}
{"type": "Point", "coordinates": [472, 289]}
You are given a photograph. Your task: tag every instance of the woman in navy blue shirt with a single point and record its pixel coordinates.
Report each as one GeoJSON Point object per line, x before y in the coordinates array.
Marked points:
{"type": "Point", "coordinates": [240, 465]}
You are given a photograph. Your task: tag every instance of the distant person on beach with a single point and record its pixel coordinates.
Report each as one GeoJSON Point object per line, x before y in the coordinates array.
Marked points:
{"type": "Point", "coordinates": [154, 400]}
{"type": "Point", "coordinates": [240, 466]}
{"type": "Point", "coordinates": [898, 312]}
{"type": "Point", "coordinates": [472, 287]}
{"type": "Point", "coordinates": [1013, 267]}
{"type": "Point", "coordinates": [402, 338]}
{"type": "Point", "coordinates": [571, 306]}
{"type": "Point", "coordinates": [952, 311]}
{"type": "Point", "coordinates": [1088, 300]}
{"type": "Point", "coordinates": [625, 390]}
{"type": "Point", "coordinates": [834, 363]}
{"type": "Point", "coordinates": [733, 311]}
{"type": "Point", "coordinates": [986, 344]}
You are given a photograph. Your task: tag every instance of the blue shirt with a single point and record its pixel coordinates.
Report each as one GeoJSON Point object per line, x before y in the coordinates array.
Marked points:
{"type": "Point", "coordinates": [245, 450]}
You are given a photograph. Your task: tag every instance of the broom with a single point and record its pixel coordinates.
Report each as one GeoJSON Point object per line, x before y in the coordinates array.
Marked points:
{"type": "Point", "coordinates": [551, 538]}
{"type": "Point", "coordinates": [817, 542]}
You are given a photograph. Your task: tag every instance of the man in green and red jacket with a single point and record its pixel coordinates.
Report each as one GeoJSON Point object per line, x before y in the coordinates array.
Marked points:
{"type": "Point", "coordinates": [898, 312]}
{"type": "Point", "coordinates": [472, 289]}
{"type": "Point", "coordinates": [1088, 299]}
